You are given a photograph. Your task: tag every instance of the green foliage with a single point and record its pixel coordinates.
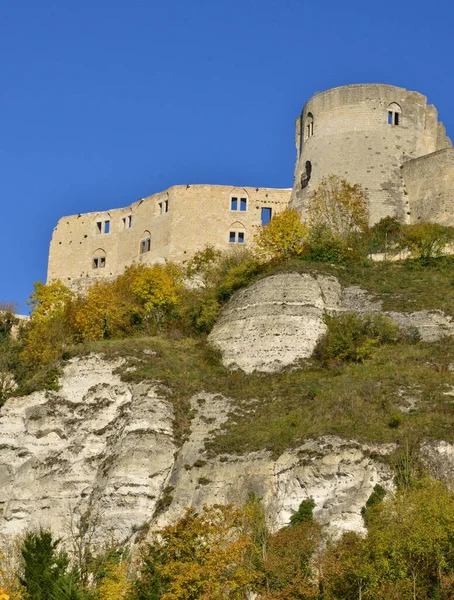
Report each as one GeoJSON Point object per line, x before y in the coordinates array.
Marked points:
{"type": "Point", "coordinates": [377, 496]}
{"type": "Point", "coordinates": [426, 241]}
{"type": "Point", "coordinates": [352, 337]}
{"type": "Point", "coordinates": [46, 572]}
{"type": "Point", "coordinates": [384, 236]}
{"type": "Point", "coordinates": [304, 513]}
{"type": "Point", "coordinates": [323, 246]}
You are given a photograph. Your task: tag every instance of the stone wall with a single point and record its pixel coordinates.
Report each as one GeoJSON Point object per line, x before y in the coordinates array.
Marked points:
{"type": "Point", "coordinates": [177, 223]}
{"type": "Point", "coordinates": [345, 131]}
{"type": "Point", "coordinates": [429, 182]}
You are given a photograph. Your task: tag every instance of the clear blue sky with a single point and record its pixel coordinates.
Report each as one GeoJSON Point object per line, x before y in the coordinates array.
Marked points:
{"type": "Point", "coordinates": [103, 102]}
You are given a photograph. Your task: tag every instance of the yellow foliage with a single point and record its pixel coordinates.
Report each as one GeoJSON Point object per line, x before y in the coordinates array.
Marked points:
{"type": "Point", "coordinates": [115, 585]}
{"type": "Point", "coordinates": [205, 556]}
{"type": "Point", "coordinates": [10, 588]}
{"type": "Point", "coordinates": [284, 236]}
{"type": "Point", "coordinates": [156, 286]}
{"type": "Point", "coordinates": [49, 330]}
{"type": "Point", "coordinates": [103, 313]}
{"type": "Point", "coordinates": [339, 207]}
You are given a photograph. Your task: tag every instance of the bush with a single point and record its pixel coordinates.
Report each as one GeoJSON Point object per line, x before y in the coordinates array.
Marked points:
{"type": "Point", "coordinates": [284, 237]}
{"type": "Point", "coordinates": [385, 235]}
{"type": "Point", "coordinates": [352, 337]}
{"type": "Point", "coordinates": [425, 241]}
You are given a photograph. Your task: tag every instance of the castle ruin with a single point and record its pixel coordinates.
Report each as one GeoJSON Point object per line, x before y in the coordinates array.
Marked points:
{"type": "Point", "coordinates": [385, 138]}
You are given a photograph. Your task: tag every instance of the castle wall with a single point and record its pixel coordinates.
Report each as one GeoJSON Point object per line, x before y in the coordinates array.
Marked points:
{"type": "Point", "coordinates": [429, 183]}
{"type": "Point", "coordinates": [177, 223]}
{"type": "Point", "coordinates": [352, 138]}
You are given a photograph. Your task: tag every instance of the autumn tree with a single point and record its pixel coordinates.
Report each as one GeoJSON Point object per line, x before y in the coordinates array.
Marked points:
{"type": "Point", "coordinates": [339, 208]}
{"type": "Point", "coordinates": [285, 236]}
{"type": "Point", "coordinates": [115, 584]}
{"type": "Point", "coordinates": [202, 557]}
{"type": "Point", "coordinates": [49, 331]}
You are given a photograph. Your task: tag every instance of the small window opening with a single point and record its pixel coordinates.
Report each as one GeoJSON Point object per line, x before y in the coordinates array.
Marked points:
{"type": "Point", "coordinates": [243, 204]}
{"type": "Point", "coordinates": [237, 237]}
{"type": "Point", "coordinates": [98, 226]}
{"type": "Point", "coordinates": [99, 262]}
{"type": "Point", "coordinates": [394, 114]}
{"type": "Point", "coordinates": [127, 222]}
{"type": "Point", "coordinates": [160, 207]}
{"type": "Point", "coordinates": [166, 206]}
{"type": "Point", "coordinates": [309, 125]}
{"type": "Point", "coordinates": [145, 245]}
{"type": "Point", "coordinates": [232, 237]}
{"type": "Point", "coordinates": [306, 175]}
{"type": "Point", "coordinates": [234, 203]}
{"type": "Point", "coordinates": [106, 226]}
{"type": "Point", "coordinates": [241, 237]}
{"type": "Point", "coordinates": [266, 215]}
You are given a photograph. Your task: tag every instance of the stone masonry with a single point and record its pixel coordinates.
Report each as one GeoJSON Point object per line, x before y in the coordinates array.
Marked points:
{"type": "Point", "coordinates": [385, 138]}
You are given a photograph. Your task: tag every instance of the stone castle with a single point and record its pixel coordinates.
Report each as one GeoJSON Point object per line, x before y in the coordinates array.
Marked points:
{"type": "Point", "coordinates": [385, 138]}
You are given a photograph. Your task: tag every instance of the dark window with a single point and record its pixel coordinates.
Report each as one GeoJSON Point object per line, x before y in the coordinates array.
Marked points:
{"type": "Point", "coordinates": [396, 118]}
{"type": "Point", "coordinates": [160, 207]}
{"type": "Point", "coordinates": [166, 206]}
{"type": "Point", "coordinates": [98, 226]}
{"type": "Point", "coordinates": [99, 262]}
{"type": "Point", "coordinates": [243, 204]}
{"type": "Point", "coordinates": [241, 237]}
{"type": "Point", "coordinates": [390, 117]}
{"type": "Point", "coordinates": [145, 245]}
{"type": "Point", "coordinates": [234, 203]}
{"type": "Point", "coordinates": [266, 215]}
{"type": "Point", "coordinates": [130, 221]}
{"type": "Point", "coordinates": [232, 237]}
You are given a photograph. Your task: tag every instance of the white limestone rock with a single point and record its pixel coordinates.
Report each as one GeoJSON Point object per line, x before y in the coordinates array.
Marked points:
{"type": "Point", "coordinates": [275, 322]}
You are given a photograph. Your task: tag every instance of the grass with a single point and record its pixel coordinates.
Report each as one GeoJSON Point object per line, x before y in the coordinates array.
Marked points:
{"type": "Point", "coordinates": [279, 411]}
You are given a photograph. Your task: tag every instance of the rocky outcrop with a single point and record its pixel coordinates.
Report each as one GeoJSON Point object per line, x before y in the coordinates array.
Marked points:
{"type": "Point", "coordinates": [278, 320]}
{"type": "Point", "coordinates": [103, 450]}
{"type": "Point", "coordinates": [98, 448]}
{"type": "Point", "coordinates": [275, 321]}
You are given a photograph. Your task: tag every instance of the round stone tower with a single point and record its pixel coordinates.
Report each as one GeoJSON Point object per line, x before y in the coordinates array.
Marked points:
{"type": "Point", "coordinates": [364, 134]}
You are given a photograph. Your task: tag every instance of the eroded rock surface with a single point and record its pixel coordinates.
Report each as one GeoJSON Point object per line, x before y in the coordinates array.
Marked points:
{"type": "Point", "coordinates": [96, 445]}
{"type": "Point", "coordinates": [105, 446]}
{"type": "Point", "coordinates": [275, 321]}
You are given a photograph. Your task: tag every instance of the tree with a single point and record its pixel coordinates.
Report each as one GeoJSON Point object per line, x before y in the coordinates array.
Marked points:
{"type": "Point", "coordinates": [46, 573]}
{"type": "Point", "coordinates": [338, 207]}
{"type": "Point", "coordinates": [115, 584]}
{"type": "Point", "coordinates": [49, 331]}
{"type": "Point", "coordinates": [202, 557]}
{"type": "Point", "coordinates": [284, 237]}
{"type": "Point", "coordinates": [425, 240]}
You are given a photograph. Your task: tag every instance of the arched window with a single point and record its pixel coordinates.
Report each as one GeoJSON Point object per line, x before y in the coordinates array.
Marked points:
{"type": "Point", "coordinates": [394, 114]}
{"type": "Point", "coordinates": [99, 259]}
{"type": "Point", "coordinates": [309, 128]}
{"type": "Point", "coordinates": [237, 233]}
{"type": "Point", "coordinates": [145, 242]}
{"type": "Point", "coordinates": [239, 201]}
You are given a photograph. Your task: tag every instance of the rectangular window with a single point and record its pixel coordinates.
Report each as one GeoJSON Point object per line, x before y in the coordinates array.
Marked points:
{"type": "Point", "coordinates": [266, 215]}
{"type": "Point", "coordinates": [396, 118]}
{"type": "Point", "coordinates": [160, 208]}
{"type": "Point", "coordinates": [390, 117]}
{"type": "Point", "coordinates": [95, 263]}
{"type": "Point", "coordinates": [145, 245]}
{"type": "Point", "coordinates": [102, 262]}
{"type": "Point", "coordinates": [130, 221]}
{"type": "Point", "coordinates": [233, 203]}
{"type": "Point", "coordinates": [241, 237]}
{"type": "Point", "coordinates": [232, 237]}
{"type": "Point", "coordinates": [98, 226]}
{"type": "Point", "coordinates": [106, 226]}
{"type": "Point", "coordinates": [166, 206]}
{"type": "Point", "coordinates": [243, 204]}
{"type": "Point", "coordinates": [124, 222]}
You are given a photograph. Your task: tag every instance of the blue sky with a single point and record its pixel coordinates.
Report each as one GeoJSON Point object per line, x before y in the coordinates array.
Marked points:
{"type": "Point", "coordinates": [103, 102]}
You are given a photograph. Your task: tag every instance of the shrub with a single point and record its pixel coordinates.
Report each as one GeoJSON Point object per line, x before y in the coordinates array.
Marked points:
{"type": "Point", "coordinates": [352, 337]}
{"type": "Point", "coordinates": [284, 237]}
{"type": "Point", "coordinates": [426, 241]}
{"type": "Point", "coordinates": [339, 207]}
{"type": "Point", "coordinates": [385, 235]}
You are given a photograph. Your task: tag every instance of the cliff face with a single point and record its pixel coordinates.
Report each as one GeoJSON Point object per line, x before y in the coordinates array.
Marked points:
{"type": "Point", "coordinates": [104, 450]}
